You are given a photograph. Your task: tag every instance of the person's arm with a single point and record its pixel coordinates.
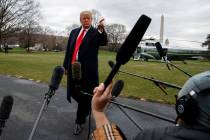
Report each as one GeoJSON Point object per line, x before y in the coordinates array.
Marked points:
{"type": "Point", "coordinates": [102, 33]}
{"type": "Point", "coordinates": [99, 101]}
{"type": "Point", "coordinates": [104, 130]}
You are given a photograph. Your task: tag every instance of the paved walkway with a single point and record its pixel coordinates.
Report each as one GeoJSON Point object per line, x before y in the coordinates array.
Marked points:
{"type": "Point", "coordinates": [57, 121]}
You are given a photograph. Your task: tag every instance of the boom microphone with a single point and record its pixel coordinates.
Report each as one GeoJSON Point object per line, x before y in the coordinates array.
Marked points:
{"type": "Point", "coordinates": [117, 88]}
{"type": "Point", "coordinates": [56, 77]}
{"type": "Point", "coordinates": [156, 81]}
{"type": "Point", "coordinates": [129, 45]}
{"type": "Point", "coordinates": [131, 42]}
{"type": "Point", "coordinates": [159, 49]}
{"type": "Point", "coordinates": [5, 109]}
{"type": "Point", "coordinates": [161, 53]}
{"type": "Point", "coordinates": [111, 64]}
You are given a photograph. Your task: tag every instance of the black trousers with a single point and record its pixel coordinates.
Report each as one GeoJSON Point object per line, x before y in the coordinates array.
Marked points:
{"type": "Point", "coordinates": [84, 106]}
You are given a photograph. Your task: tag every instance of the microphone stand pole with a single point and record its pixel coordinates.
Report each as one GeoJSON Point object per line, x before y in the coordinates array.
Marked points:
{"type": "Point", "coordinates": [130, 118]}
{"type": "Point", "coordinates": [144, 112]}
{"type": "Point", "coordinates": [46, 101]}
{"type": "Point", "coordinates": [168, 62]}
{"type": "Point", "coordinates": [137, 110]}
{"type": "Point", "coordinates": [152, 79]}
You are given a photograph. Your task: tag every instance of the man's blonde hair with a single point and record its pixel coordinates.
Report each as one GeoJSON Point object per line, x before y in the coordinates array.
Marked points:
{"type": "Point", "coordinates": [89, 13]}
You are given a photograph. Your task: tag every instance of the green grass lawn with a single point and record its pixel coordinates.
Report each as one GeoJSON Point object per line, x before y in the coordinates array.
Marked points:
{"type": "Point", "coordinates": [39, 66]}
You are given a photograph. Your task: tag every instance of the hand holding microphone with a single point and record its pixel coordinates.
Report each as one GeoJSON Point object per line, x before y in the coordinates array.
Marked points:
{"type": "Point", "coordinates": [101, 97]}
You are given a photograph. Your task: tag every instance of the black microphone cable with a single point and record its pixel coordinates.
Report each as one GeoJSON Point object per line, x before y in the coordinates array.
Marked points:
{"type": "Point", "coordinates": [54, 84]}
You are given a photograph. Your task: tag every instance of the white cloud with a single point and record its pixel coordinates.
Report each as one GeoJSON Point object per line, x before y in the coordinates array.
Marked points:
{"type": "Point", "coordinates": [187, 19]}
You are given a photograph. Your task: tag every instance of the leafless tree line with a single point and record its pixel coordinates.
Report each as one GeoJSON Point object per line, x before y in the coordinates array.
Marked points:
{"type": "Point", "coordinates": [19, 22]}
{"type": "Point", "coordinates": [116, 32]}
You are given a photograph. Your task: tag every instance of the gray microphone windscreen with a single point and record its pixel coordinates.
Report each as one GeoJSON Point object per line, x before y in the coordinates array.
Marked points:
{"type": "Point", "coordinates": [6, 107]}
{"type": "Point", "coordinates": [76, 71]}
{"type": "Point", "coordinates": [56, 77]}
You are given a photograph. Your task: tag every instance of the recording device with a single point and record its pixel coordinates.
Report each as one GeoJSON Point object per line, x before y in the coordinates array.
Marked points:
{"type": "Point", "coordinates": [5, 109]}
{"type": "Point", "coordinates": [111, 64]}
{"type": "Point", "coordinates": [157, 82]}
{"type": "Point", "coordinates": [54, 84]}
{"type": "Point", "coordinates": [161, 53]}
{"type": "Point", "coordinates": [76, 75]}
{"type": "Point", "coordinates": [159, 49]}
{"type": "Point", "coordinates": [129, 45]}
{"type": "Point", "coordinates": [117, 88]}
{"type": "Point", "coordinates": [56, 77]}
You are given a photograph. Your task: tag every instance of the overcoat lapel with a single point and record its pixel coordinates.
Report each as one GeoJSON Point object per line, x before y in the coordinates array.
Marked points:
{"type": "Point", "coordinates": [83, 48]}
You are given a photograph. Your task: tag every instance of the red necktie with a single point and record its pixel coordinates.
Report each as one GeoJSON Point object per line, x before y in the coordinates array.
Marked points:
{"type": "Point", "coordinates": [78, 43]}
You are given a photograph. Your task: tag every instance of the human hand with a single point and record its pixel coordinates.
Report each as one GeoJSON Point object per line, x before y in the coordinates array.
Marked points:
{"type": "Point", "coordinates": [101, 97]}
{"type": "Point", "coordinates": [101, 25]}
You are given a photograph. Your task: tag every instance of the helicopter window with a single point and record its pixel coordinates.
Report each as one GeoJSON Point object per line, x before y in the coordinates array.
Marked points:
{"type": "Point", "coordinates": [149, 44]}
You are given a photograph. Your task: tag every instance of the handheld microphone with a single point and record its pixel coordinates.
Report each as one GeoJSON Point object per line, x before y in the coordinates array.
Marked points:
{"type": "Point", "coordinates": [129, 45]}
{"type": "Point", "coordinates": [76, 75]}
{"type": "Point", "coordinates": [117, 88]}
{"type": "Point", "coordinates": [56, 77]}
{"type": "Point", "coordinates": [111, 64]}
{"type": "Point", "coordinates": [5, 109]}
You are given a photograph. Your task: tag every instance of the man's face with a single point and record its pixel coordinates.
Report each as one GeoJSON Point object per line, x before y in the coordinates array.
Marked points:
{"type": "Point", "coordinates": [86, 20]}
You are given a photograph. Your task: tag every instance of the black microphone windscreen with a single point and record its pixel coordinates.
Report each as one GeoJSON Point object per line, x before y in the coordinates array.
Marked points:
{"type": "Point", "coordinates": [56, 77]}
{"type": "Point", "coordinates": [76, 71]}
{"type": "Point", "coordinates": [159, 49]}
{"type": "Point", "coordinates": [111, 63]}
{"type": "Point", "coordinates": [6, 107]}
{"type": "Point", "coordinates": [117, 88]}
{"type": "Point", "coordinates": [131, 42]}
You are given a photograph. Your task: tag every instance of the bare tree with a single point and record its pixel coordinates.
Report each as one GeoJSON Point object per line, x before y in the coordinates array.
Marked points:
{"type": "Point", "coordinates": [28, 36]}
{"type": "Point", "coordinates": [116, 33]}
{"type": "Point", "coordinates": [71, 27]}
{"type": "Point", "coordinates": [44, 36]}
{"type": "Point", "coordinates": [12, 15]}
{"type": "Point", "coordinates": [207, 42]}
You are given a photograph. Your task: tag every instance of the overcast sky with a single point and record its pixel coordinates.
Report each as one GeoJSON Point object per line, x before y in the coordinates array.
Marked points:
{"type": "Point", "coordinates": [184, 19]}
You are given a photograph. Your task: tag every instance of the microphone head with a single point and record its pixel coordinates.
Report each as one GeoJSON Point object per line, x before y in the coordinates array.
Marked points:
{"type": "Point", "coordinates": [159, 49]}
{"type": "Point", "coordinates": [76, 71]}
{"type": "Point", "coordinates": [111, 63]}
{"type": "Point", "coordinates": [117, 88]}
{"type": "Point", "coordinates": [6, 107]}
{"type": "Point", "coordinates": [131, 42]}
{"type": "Point", "coordinates": [56, 77]}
